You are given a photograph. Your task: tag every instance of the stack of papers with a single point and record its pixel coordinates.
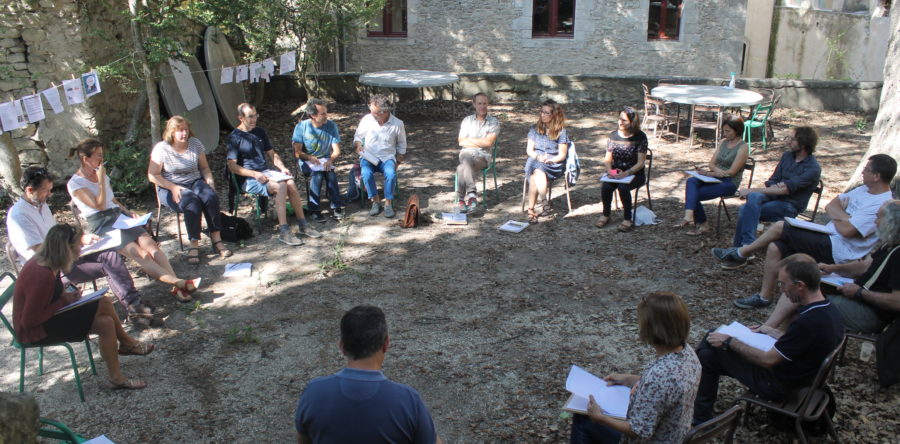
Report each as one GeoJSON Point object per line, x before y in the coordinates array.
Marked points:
{"type": "Point", "coordinates": [825, 229]}
{"type": "Point", "coordinates": [626, 179]}
{"type": "Point", "coordinates": [276, 176]}
{"type": "Point", "coordinates": [84, 300]}
{"type": "Point", "coordinates": [370, 157]}
{"type": "Point", "coordinates": [454, 218]}
{"type": "Point", "coordinates": [112, 239]}
{"type": "Point", "coordinates": [514, 226]}
{"type": "Point", "coordinates": [836, 280]}
{"type": "Point", "coordinates": [612, 399]}
{"type": "Point", "coordinates": [707, 179]}
{"type": "Point", "coordinates": [744, 334]}
{"type": "Point", "coordinates": [242, 269]}
{"type": "Point", "coordinates": [124, 222]}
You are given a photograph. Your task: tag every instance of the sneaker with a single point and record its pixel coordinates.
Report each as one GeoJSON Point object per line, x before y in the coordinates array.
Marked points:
{"type": "Point", "coordinates": [308, 230]}
{"type": "Point", "coordinates": [461, 206]}
{"type": "Point", "coordinates": [338, 213]}
{"type": "Point", "coordinates": [473, 202]}
{"type": "Point", "coordinates": [317, 216]}
{"type": "Point", "coordinates": [388, 211]}
{"type": "Point", "coordinates": [728, 255]}
{"type": "Point", "coordinates": [376, 208]}
{"type": "Point", "coordinates": [286, 237]}
{"type": "Point", "coordinates": [754, 301]}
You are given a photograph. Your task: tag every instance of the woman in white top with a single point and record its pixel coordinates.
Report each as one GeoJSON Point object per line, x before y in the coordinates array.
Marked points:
{"type": "Point", "coordinates": [92, 193]}
{"type": "Point", "coordinates": [184, 183]}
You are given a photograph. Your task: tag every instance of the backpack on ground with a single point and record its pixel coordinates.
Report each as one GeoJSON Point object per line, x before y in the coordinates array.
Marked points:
{"type": "Point", "coordinates": [235, 229]}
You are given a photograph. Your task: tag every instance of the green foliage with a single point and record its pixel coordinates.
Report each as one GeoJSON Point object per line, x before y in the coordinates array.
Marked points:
{"type": "Point", "coordinates": [127, 164]}
{"type": "Point", "coordinates": [336, 263]}
{"type": "Point", "coordinates": [242, 335]}
{"type": "Point", "coordinates": [788, 76]}
{"type": "Point", "coordinates": [861, 124]}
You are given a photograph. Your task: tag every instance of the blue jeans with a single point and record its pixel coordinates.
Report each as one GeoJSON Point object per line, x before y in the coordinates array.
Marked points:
{"type": "Point", "coordinates": [584, 431]}
{"type": "Point", "coordinates": [759, 207]}
{"type": "Point", "coordinates": [388, 168]}
{"type": "Point", "coordinates": [197, 198]}
{"type": "Point", "coordinates": [697, 191]}
{"type": "Point", "coordinates": [315, 187]}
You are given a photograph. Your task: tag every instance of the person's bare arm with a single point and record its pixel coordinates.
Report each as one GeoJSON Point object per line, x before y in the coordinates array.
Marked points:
{"type": "Point", "coordinates": [205, 170]}
{"type": "Point", "coordinates": [888, 301]}
{"type": "Point", "coordinates": [767, 359]}
{"type": "Point", "coordinates": [836, 210]}
{"type": "Point", "coordinates": [335, 153]}
{"type": "Point", "coordinates": [276, 160]}
{"type": "Point", "coordinates": [848, 269]}
{"type": "Point", "coordinates": [595, 413]}
{"type": "Point", "coordinates": [482, 143]}
{"type": "Point", "coordinates": [563, 149]}
{"type": "Point", "coordinates": [301, 154]}
{"type": "Point", "coordinates": [241, 171]}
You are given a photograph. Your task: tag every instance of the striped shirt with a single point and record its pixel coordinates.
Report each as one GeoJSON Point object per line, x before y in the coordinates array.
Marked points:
{"type": "Point", "coordinates": [179, 168]}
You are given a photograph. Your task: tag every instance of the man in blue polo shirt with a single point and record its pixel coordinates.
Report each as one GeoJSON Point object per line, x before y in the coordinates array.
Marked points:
{"type": "Point", "coordinates": [317, 144]}
{"type": "Point", "coordinates": [359, 404]}
{"type": "Point", "coordinates": [795, 358]}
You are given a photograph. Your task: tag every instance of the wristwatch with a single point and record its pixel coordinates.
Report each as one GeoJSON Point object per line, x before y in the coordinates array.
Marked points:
{"type": "Point", "coordinates": [859, 292]}
{"type": "Point", "coordinates": [727, 343]}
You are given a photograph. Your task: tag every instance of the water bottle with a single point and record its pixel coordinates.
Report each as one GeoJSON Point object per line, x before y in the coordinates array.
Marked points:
{"type": "Point", "coordinates": [731, 82]}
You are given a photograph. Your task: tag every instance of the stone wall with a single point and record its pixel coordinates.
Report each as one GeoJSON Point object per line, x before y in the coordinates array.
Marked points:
{"type": "Point", "coordinates": [610, 39]}
{"type": "Point", "coordinates": [44, 41]}
{"type": "Point", "coordinates": [18, 418]}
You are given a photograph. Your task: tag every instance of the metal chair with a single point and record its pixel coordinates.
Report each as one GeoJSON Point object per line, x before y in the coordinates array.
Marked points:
{"type": "Point", "coordinates": [723, 426]}
{"type": "Point", "coordinates": [649, 170]}
{"type": "Point", "coordinates": [491, 167]}
{"type": "Point", "coordinates": [655, 112]}
{"type": "Point", "coordinates": [714, 125]}
{"type": "Point", "coordinates": [4, 298]}
{"type": "Point", "coordinates": [58, 431]}
{"type": "Point", "coordinates": [807, 404]}
{"type": "Point", "coordinates": [12, 256]}
{"type": "Point", "coordinates": [159, 207]}
{"type": "Point", "coordinates": [760, 119]}
{"type": "Point", "coordinates": [820, 188]}
{"type": "Point", "coordinates": [261, 203]}
{"type": "Point", "coordinates": [569, 152]}
{"type": "Point", "coordinates": [750, 166]}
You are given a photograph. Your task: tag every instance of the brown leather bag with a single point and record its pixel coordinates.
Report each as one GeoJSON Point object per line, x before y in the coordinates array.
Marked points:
{"type": "Point", "coordinates": [411, 219]}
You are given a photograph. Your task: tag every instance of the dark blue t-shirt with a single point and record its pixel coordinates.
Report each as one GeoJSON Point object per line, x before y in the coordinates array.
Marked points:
{"type": "Point", "coordinates": [248, 149]}
{"type": "Point", "coordinates": [362, 406]}
{"type": "Point", "coordinates": [814, 334]}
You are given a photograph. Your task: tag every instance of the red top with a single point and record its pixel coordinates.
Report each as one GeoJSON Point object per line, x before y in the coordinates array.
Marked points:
{"type": "Point", "coordinates": [32, 298]}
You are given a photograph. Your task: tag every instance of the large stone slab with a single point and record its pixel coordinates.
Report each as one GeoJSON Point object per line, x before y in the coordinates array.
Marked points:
{"type": "Point", "coordinates": [218, 54]}
{"type": "Point", "coordinates": [204, 118]}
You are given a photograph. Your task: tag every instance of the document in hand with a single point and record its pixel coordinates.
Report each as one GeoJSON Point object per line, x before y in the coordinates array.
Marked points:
{"type": "Point", "coordinates": [612, 399]}
{"type": "Point", "coordinates": [744, 334]}
{"type": "Point", "coordinates": [836, 280]}
{"type": "Point", "coordinates": [112, 239]}
{"type": "Point", "coordinates": [370, 157]}
{"type": "Point", "coordinates": [84, 300]}
{"type": "Point", "coordinates": [514, 226]}
{"type": "Point", "coordinates": [316, 166]}
{"type": "Point", "coordinates": [124, 222]}
{"type": "Point", "coordinates": [276, 176]}
{"type": "Point", "coordinates": [626, 179]}
{"type": "Point", "coordinates": [809, 226]}
{"type": "Point", "coordinates": [707, 179]}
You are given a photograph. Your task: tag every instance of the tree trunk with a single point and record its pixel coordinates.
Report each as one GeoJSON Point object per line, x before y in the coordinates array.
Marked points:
{"type": "Point", "coordinates": [149, 79]}
{"type": "Point", "coordinates": [10, 168]}
{"type": "Point", "coordinates": [887, 123]}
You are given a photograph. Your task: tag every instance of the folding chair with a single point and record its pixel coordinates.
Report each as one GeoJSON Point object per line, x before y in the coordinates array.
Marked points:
{"type": "Point", "coordinates": [491, 167]}
{"type": "Point", "coordinates": [723, 426]}
{"type": "Point", "coordinates": [648, 170]}
{"type": "Point", "coordinates": [750, 166]}
{"type": "Point", "coordinates": [820, 188]}
{"type": "Point", "coordinates": [807, 404]}
{"type": "Point", "coordinates": [159, 207]}
{"type": "Point", "coordinates": [4, 298]}
{"type": "Point", "coordinates": [655, 112]}
{"type": "Point", "coordinates": [569, 152]}
{"type": "Point", "coordinates": [714, 125]}
{"type": "Point", "coordinates": [760, 119]}
{"type": "Point", "coordinates": [261, 203]}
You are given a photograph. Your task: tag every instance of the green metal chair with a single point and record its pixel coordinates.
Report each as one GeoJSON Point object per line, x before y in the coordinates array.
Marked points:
{"type": "Point", "coordinates": [491, 167]}
{"type": "Point", "coordinates": [261, 203]}
{"type": "Point", "coordinates": [760, 119]}
{"type": "Point", "coordinates": [4, 298]}
{"type": "Point", "coordinates": [59, 431]}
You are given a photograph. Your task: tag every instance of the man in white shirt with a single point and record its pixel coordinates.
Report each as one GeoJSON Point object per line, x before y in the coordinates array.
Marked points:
{"type": "Point", "coordinates": [852, 229]}
{"type": "Point", "coordinates": [28, 222]}
{"type": "Point", "coordinates": [380, 140]}
{"type": "Point", "coordinates": [477, 135]}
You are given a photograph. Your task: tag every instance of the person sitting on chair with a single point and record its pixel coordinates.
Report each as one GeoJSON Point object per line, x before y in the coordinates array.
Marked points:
{"type": "Point", "coordinates": [92, 194]}
{"type": "Point", "coordinates": [626, 151]}
{"type": "Point", "coordinates": [317, 144]}
{"type": "Point", "coordinates": [380, 140]}
{"type": "Point", "coordinates": [184, 183]}
{"type": "Point", "coordinates": [477, 135]}
{"type": "Point", "coordinates": [872, 300]}
{"type": "Point", "coordinates": [548, 145]}
{"type": "Point", "coordinates": [248, 148]}
{"type": "Point", "coordinates": [727, 164]}
{"type": "Point", "coordinates": [39, 292]}
{"type": "Point", "coordinates": [662, 396]}
{"type": "Point", "coordinates": [792, 362]}
{"type": "Point", "coordinates": [852, 230]}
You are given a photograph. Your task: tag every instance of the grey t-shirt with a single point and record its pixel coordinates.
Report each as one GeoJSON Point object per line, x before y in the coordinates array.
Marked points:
{"type": "Point", "coordinates": [182, 168]}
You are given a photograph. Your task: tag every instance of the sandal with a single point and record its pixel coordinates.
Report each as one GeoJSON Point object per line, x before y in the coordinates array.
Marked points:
{"type": "Point", "coordinates": [139, 349]}
{"type": "Point", "coordinates": [222, 251]}
{"type": "Point", "coordinates": [700, 230]}
{"type": "Point", "coordinates": [191, 285]}
{"type": "Point", "coordinates": [684, 224]}
{"type": "Point", "coordinates": [532, 216]}
{"type": "Point", "coordinates": [602, 222]}
{"type": "Point", "coordinates": [193, 256]}
{"type": "Point", "coordinates": [181, 294]}
{"type": "Point", "coordinates": [128, 384]}
{"type": "Point", "coordinates": [626, 226]}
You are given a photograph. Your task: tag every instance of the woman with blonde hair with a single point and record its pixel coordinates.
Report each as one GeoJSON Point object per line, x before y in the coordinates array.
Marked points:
{"type": "Point", "coordinates": [184, 183]}
{"type": "Point", "coordinates": [548, 145]}
{"type": "Point", "coordinates": [92, 193]}
{"type": "Point", "coordinates": [39, 293]}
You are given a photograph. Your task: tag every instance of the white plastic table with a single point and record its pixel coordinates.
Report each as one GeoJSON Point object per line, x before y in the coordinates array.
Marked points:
{"type": "Point", "coordinates": [410, 78]}
{"type": "Point", "coordinates": [706, 95]}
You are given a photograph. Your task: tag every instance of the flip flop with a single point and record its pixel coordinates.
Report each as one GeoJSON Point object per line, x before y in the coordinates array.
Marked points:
{"type": "Point", "coordinates": [139, 349]}
{"type": "Point", "coordinates": [128, 384]}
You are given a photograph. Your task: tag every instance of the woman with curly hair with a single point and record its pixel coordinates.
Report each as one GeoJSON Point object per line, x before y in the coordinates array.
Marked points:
{"type": "Point", "coordinates": [548, 145]}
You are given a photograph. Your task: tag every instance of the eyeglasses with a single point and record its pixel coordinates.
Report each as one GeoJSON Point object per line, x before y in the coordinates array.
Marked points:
{"type": "Point", "coordinates": [782, 285]}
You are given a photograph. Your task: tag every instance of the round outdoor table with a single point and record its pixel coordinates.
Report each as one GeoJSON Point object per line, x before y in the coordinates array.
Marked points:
{"type": "Point", "coordinates": [410, 78]}
{"type": "Point", "coordinates": [706, 95]}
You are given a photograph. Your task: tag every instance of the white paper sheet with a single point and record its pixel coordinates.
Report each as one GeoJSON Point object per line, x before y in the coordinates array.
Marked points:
{"type": "Point", "coordinates": [268, 69]}
{"type": "Point", "coordinates": [256, 70]}
{"type": "Point", "coordinates": [124, 222]}
{"type": "Point", "coordinates": [744, 334]}
{"type": "Point", "coordinates": [84, 299]}
{"type": "Point", "coordinates": [243, 269]}
{"type": "Point", "coordinates": [102, 439]}
{"type": "Point", "coordinates": [241, 74]}
{"type": "Point", "coordinates": [454, 218]}
{"type": "Point", "coordinates": [288, 62]}
{"type": "Point", "coordinates": [34, 108]}
{"type": "Point", "coordinates": [111, 239]}
{"type": "Point", "coordinates": [626, 179]}
{"type": "Point", "coordinates": [90, 81]}
{"type": "Point", "coordinates": [9, 116]}
{"type": "Point", "coordinates": [612, 399]}
{"type": "Point", "coordinates": [74, 93]}
{"type": "Point", "coordinates": [370, 157]}
{"type": "Point", "coordinates": [186, 86]}
{"type": "Point", "coordinates": [276, 176]}
{"type": "Point", "coordinates": [53, 98]}
{"type": "Point", "coordinates": [316, 166]}
{"type": "Point", "coordinates": [227, 75]}
{"type": "Point", "coordinates": [707, 179]}
{"type": "Point", "coordinates": [836, 280]}
{"type": "Point", "coordinates": [809, 226]}
{"type": "Point", "coordinates": [514, 226]}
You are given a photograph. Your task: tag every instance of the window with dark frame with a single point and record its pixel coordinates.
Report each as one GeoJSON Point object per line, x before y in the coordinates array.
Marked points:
{"type": "Point", "coordinates": [553, 18]}
{"type": "Point", "coordinates": [665, 20]}
{"type": "Point", "coordinates": [392, 22]}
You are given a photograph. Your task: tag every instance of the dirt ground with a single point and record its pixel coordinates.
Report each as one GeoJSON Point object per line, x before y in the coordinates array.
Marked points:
{"type": "Point", "coordinates": [484, 324]}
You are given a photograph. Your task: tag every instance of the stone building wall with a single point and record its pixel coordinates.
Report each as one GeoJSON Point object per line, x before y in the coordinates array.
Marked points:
{"type": "Point", "coordinates": [44, 41]}
{"type": "Point", "coordinates": [610, 39]}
